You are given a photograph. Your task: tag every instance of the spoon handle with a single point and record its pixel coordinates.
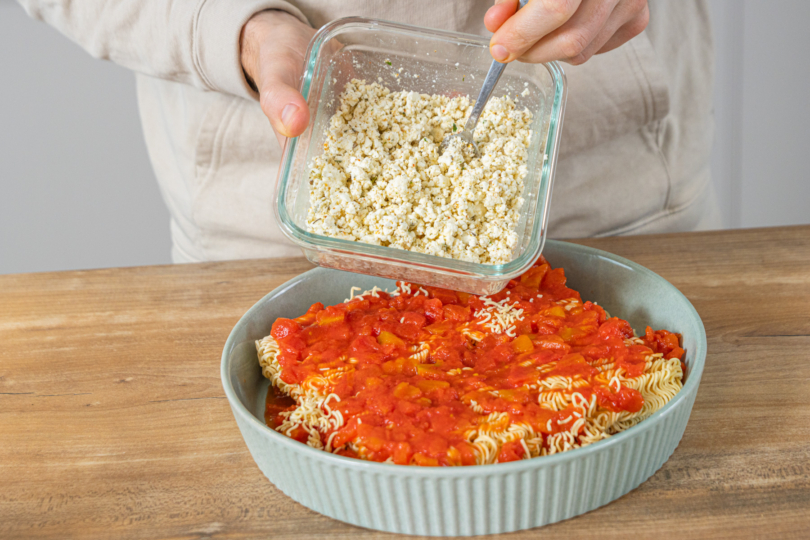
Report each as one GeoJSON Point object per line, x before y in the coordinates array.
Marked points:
{"type": "Point", "coordinates": [493, 75]}
{"type": "Point", "coordinates": [492, 78]}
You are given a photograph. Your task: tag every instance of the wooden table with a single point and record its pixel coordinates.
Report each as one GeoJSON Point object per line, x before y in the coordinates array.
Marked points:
{"type": "Point", "coordinates": [113, 421]}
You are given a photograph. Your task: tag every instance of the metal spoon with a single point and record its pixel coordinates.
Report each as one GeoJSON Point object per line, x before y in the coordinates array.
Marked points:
{"type": "Point", "coordinates": [466, 135]}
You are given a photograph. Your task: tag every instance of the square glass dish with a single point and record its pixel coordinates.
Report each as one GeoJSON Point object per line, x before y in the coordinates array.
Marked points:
{"type": "Point", "coordinates": [431, 62]}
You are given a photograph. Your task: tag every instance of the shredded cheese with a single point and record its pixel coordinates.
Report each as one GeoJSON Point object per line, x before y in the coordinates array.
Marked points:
{"type": "Point", "coordinates": [499, 317]}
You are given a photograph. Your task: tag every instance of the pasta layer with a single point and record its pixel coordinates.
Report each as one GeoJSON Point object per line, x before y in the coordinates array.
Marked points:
{"type": "Point", "coordinates": [428, 376]}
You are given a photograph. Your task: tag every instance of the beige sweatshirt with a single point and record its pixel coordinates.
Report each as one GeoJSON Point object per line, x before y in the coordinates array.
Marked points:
{"type": "Point", "coordinates": [635, 148]}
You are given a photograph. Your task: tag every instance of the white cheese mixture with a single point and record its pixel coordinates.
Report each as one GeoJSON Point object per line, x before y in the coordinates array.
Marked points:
{"type": "Point", "coordinates": [381, 179]}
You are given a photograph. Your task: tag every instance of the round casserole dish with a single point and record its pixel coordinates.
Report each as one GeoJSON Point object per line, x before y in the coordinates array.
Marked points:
{"type": "Point", "coordinates": [484, 499]}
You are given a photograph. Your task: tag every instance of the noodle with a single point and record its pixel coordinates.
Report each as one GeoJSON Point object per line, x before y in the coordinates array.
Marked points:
{"type": "Point", "coordinates": [552, 395]}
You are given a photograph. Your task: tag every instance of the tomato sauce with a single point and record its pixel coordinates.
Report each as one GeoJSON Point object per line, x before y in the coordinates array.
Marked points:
{"type": "Point", "coordinates": [420, 369]}
{"type": "Point", "coordinates": [275, 403]}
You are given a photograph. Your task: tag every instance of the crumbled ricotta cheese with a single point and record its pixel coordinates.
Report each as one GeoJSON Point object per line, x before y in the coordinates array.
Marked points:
{"type": "Point", "coordinates": [382, 180]}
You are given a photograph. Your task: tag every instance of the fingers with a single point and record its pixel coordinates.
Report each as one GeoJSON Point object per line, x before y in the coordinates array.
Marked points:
{"type": "Point", "coordinates": [273, 49]}
{"type": "Point", "coordinates": [594, 26]}
{"type": "Point", "coordinates": [522, 30]}
{"type": "Point", "coordinates": [279, 76]}
{"type": "Point", "coordinates": [499, 13]}
{"type": "Point", "coordinates": [628, 31]}
{"type": "Point", "coordinates": [571, 41]}
{"type": "Point", "coordinates": [624, 24]}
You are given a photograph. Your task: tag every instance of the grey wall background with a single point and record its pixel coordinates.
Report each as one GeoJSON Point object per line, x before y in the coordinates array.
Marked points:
{"type": "Point", "coordinates": [761, 162]}
{"type": "Point", "coordinates": [76, 186]}
{"type": "Point", "coordinates": [77, 189]}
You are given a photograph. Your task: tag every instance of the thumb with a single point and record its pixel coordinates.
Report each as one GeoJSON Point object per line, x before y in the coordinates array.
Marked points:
{"type": "Point", "coordinates": [279, 97]}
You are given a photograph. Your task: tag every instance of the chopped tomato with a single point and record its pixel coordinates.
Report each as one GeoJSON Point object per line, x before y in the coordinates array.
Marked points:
{"type": "Point", "coordinates": [283, 328]}
{"type": "Point", "coordinates": [511, 451]}
{"type": "Point", "coordinates": [433, 310]}
{"type": "Point", "coordinates": [534, 276]}
{"type": "Point", "coordinates": [410, 376]}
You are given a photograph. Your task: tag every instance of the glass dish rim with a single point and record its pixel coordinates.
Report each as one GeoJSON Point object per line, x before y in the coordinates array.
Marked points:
{"type": "Point", "coordinates": [486, 272]}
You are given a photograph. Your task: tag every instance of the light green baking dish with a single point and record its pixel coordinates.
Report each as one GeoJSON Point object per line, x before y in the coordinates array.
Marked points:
{"type": "Point", "coordinates": [464, 501]}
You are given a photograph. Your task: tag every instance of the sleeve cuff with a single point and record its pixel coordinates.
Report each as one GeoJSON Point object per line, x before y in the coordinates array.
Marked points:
{"type": "Point", "coordinates": [215, 46]}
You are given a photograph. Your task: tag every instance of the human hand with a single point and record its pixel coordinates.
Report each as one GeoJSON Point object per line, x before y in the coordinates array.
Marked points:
{"type": "Point", "coordinates": [273, 44]}
{"type": "Point", "coordinates": [568, 30]}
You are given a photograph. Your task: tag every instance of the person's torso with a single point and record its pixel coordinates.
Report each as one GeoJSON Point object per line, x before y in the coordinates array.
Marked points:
{"type": "Point", "coordinates": [634, 154]}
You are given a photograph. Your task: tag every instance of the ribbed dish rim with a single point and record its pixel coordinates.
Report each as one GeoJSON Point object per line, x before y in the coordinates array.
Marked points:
{"type": "Point", "coordinates": [692, 381]}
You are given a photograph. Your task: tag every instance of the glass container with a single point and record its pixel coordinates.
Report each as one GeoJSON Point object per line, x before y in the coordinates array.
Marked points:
{"type": "Point", "coordinates": [428, 61]}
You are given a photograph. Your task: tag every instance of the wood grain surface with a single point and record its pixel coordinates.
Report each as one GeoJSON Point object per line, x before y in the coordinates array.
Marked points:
{"type": "Point", "coordinates": [114, 424]}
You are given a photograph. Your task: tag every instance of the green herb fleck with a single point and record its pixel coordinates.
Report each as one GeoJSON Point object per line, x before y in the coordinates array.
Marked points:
{"type": "Point", "coordinates": [462, 77]}
{"type": "Point", "coordinates": [454, 127]}
{"type": "Point", "coordinates": [388, 62]}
